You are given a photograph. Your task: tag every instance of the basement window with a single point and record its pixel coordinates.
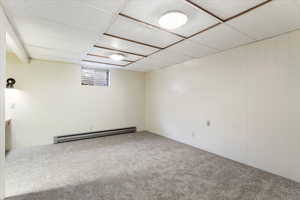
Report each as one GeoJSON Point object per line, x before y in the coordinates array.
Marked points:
{"type": "Point", "coordinates": [94, 77]}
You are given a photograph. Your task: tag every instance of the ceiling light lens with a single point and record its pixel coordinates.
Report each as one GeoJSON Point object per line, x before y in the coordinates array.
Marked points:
{"type": "Point", "coordinates": [117, 57]}
{"type": "Point", "coordinates": [173, 20]}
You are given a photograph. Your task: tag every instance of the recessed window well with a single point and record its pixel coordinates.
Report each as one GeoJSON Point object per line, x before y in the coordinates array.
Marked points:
{"type": "Point", "coordinates": [172, 20]}
{"type": "Point", "coordinates": [94, 76]}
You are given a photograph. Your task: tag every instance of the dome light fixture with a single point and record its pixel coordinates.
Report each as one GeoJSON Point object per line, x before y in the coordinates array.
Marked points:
{"type": "Point", "coordinates": [117, 57]}
{"type": "Point", "coordinates": [172, 20]}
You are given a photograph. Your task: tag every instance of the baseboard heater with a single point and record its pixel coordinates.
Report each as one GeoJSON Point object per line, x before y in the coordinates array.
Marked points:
{"type": "Point", "coordinates": [90, 135]}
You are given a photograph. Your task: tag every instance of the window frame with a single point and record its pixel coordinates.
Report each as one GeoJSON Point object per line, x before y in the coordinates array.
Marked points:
{"type": "Point", "coordinates": [94, 78]}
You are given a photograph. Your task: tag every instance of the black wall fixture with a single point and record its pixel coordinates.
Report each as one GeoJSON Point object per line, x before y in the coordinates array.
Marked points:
{"type": "Point", "coordinates": [10, 83]}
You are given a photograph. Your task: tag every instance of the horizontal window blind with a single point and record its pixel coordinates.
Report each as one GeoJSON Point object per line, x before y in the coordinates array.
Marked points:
{"type": "Point", "coordinates": [94, 77]}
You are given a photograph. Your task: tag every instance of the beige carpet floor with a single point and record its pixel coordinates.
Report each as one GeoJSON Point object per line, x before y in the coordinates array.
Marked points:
{"type": "Point", "coordinates": [139, 166]}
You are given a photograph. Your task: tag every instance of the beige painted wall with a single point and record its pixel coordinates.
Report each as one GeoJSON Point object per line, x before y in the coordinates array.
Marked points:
{"type": "Point", "coordinates": [50, 101]}
{"type": "Point", "coordinates": [249, 94]}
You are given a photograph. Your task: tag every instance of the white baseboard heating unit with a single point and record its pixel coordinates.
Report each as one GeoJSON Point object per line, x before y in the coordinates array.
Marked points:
{"type": "Point", "coordinates": [90, 135]}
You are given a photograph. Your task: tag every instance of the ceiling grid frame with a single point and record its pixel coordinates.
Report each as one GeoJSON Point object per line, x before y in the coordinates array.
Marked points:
{"type": "Point", "coordinates": [221, 21]}
{"type": "Point", "coordinates": [133, 41]}
{"type": "Point", "coordinates": [105, 63]}
{"type": "Point", "coordinates": [112, 21]}
{"type": "Point", "coordinates": [120, 51]}
{"type": "Point", "coordinates": [229, 18]}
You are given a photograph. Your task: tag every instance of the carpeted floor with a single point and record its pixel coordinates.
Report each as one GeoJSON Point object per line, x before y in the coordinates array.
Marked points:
{"type": "Point", "coordinates": [139, 166]}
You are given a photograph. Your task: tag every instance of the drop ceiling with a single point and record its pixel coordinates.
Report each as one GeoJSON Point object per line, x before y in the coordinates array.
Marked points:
{"type": "Point", "coordinates": [87, 32]}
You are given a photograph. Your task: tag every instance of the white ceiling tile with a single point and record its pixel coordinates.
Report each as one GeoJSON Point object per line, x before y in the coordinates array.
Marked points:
{"type": "Point", "coordinates": [274, 18]}
{"type": "Point", "coordinates": [105, 52]}
{"type": "Point", "coordinates": [142, 33]}
{"type": "Point", "coordinates": [116, 43]}
{"type": "Point", "coordinates": [39, 32]}
{"type": "Point", "coordinates": [58, 45]}
{"type": "Point", "coordinates": [138, 69]}
{"type": "Point", "coordinates": [30, 27]}
{"type": "Point", "coordinates": [192, 49]}
{"type": "Point", "coordinates": [166, 58]}
{"type": "Point", "coordinates": [53, 54]}
{"type": "Point", "coordinates": [222, 37]}
{"type": "Point", "coordinates": [141, 66]}
{"type": "Point", "coordinates": [67, 12]}
{"type": "Point", "coordinates": [108, 6]}
{"type": "Point", "coordinates": [151, 11]}
{"type": "Point", "coordinates": [144, 63]}
{"type": "Point", "coordinates": [228, 8]}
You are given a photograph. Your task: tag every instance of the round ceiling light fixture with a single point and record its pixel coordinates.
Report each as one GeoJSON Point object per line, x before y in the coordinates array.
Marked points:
{"type": "Point", "coordinates": [117, 57]}
{"type": "Point", "coordinates": [172, 20]}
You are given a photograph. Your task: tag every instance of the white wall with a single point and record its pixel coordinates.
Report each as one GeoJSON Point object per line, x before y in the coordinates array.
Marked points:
{"type": "Point", "coordinates": [251, 96]}
{"type": "Point", "coordinates": [2, 117]}
{"type": "Point", "coordinates": [7, 35]}
{"type": "Point", "coordinates": [50, 101]}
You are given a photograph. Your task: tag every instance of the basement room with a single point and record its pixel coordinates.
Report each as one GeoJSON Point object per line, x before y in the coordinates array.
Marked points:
{"type": "Point", "coordinates": [149, 100]}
